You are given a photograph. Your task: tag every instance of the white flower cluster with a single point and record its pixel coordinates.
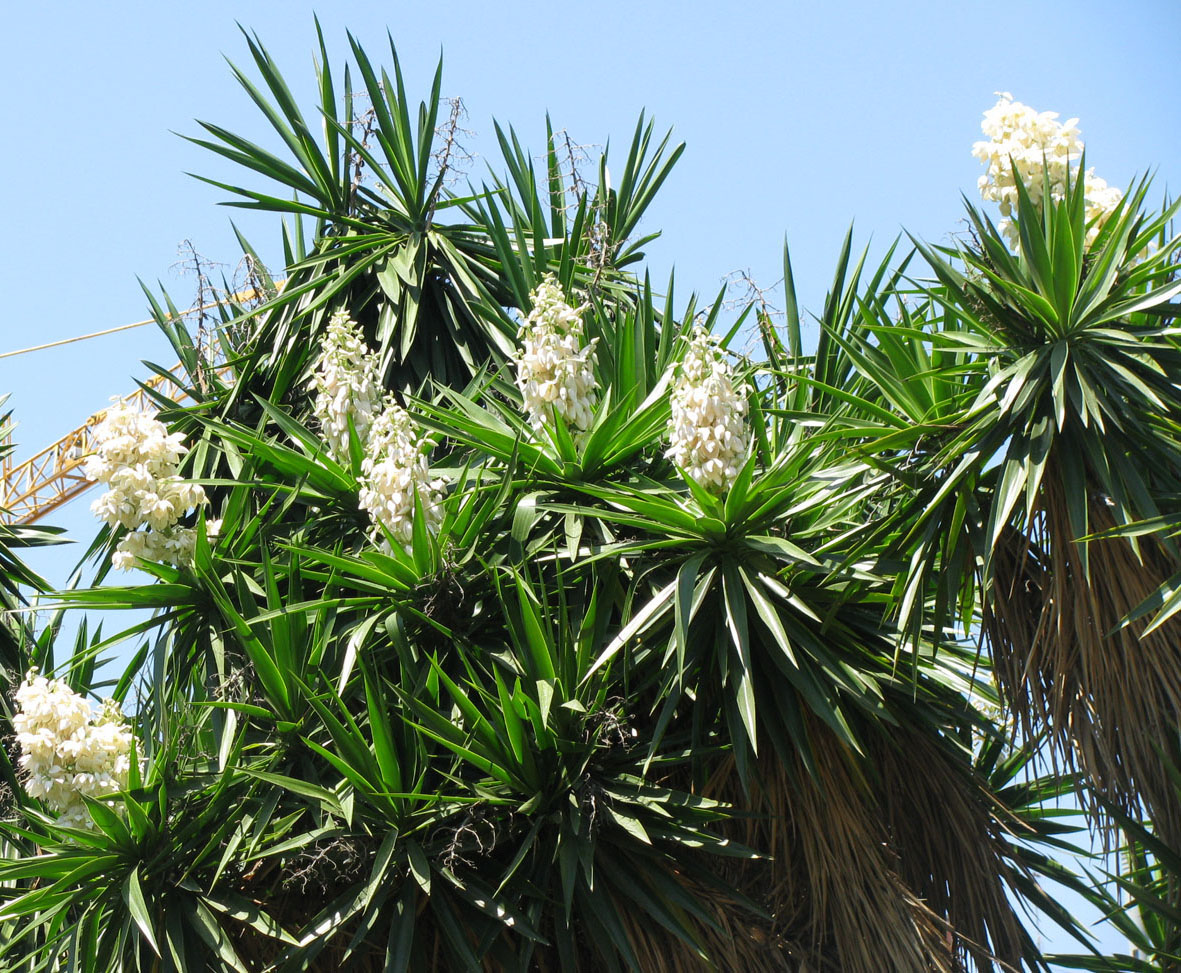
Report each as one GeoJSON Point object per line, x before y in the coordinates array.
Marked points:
{"type": "Point", "coordinates": [394, 471]}
{"type": "Point", "coordinates": [1030, 145]}
{"type": "Point", "coordinates": [347, 385]}
{"type": "Point", "coordinates": [394, 467]}
{"type": "Point", "coordinates": [69, 751]}
{"type": "Point", "coordinates": [138, 458]}
{"type": "Point", "coordinates": [707, 428]}
{"type": "Point", "coordinates": [554, 366]}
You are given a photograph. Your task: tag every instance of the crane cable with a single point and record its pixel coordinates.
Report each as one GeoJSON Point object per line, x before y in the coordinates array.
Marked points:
{"type": "Point", "coordinates": [237, 298]}
{"type": "Point", "coordinates": [69, 341]}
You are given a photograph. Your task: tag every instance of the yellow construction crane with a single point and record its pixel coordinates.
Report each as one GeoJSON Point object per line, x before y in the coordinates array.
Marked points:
{"type": "Point", "coordinates": [42, 483]}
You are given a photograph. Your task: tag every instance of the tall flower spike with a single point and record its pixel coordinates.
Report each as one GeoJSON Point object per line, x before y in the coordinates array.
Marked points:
{"type": "Point", "coordinates": [347, 385]}
{"type": "Point", "coordinates": [394, 471]}
{"type": "Point", "coordinates": [138, 458]}
{"type": "Point", "coordinates": [1030, 145]}
{"type": "Point", "coordinates": [707, 428]}
{"type": "Point", "coordinates": [68, 751]}
{"type": "Point", "coordinates": [554, 369]}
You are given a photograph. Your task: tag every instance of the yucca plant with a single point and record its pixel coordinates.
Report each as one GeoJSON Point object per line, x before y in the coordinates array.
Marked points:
{"type": "Point", "coordinates": [431, 295]}
{"type": "Point", "coordinates": [131, 891]}
{"type": "Point", "coordinates": [587, 644]}
{"type": "Point", "coordinates": [1069, 435]}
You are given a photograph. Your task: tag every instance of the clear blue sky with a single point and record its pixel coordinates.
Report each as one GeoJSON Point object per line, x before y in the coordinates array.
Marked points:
{"type": "Point", "coordinates": [799, 118]}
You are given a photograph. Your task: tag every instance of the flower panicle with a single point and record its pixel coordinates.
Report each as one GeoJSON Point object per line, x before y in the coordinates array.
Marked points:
{"type": "Point", "coordinates": [555, 370]}
{"type": "Point", "coordinates": [1037, 149]}
{"type": "Point", "coordinates": [394, 471]}
{"type": "Point", "coordinates": [68, 750]}
{"type": "Point", "coordinates": [347, 383]}
{"type": "Point", "coordinates": [138, 458]}
{"type": "Point", "coordinates": [707, 426]}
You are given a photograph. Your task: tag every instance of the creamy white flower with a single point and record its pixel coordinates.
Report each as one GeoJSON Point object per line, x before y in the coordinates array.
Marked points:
{"type": "Point", "coordinates": [347, 384]}
{"type": "Point", "coordinates": [1037, 148]}
{"type": "Point", "coordinates": [394, 471]}
{"type": "Point", "coordinates": [68, 751]}
{"type": "Point", "coordinates": [554, 370]}
{"type": "Point", "coordinates": [707, 428]}
{"type": "Point", "coordinates": [137, 458]}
